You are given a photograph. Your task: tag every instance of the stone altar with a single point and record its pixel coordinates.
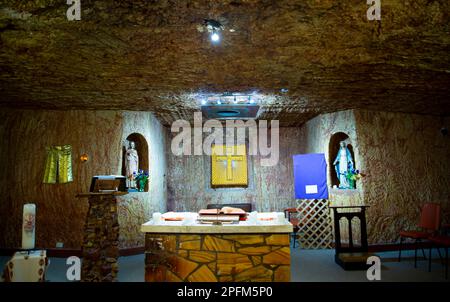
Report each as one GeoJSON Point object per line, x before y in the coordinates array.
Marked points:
{"type": "Point", "coordinates": [217, 253]}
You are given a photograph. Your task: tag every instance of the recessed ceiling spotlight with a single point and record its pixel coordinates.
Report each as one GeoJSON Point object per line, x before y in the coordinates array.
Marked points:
{"type": "Point", "coordinates": [213, 27]}
{"type": "Point", "coordinates": [232, 30]}
{"type": "Point", "coordinates": [215, 37]}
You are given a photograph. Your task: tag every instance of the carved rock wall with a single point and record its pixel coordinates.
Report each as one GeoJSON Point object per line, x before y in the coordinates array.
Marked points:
{"type": "Point", "coordinates": [406, 161]}
{"type": "Point", "coordinates": [317, 134]}
{"type": "Point", "coordinates": [405, 157]}
{"type": "Point", "coordinates": [136, 208]}
{"type": "Point", "coordinates": [149, 55]}
{"type": "Point", "coordinates": [269, 188]}
{"type": "Point", "coordinates": [60, 216]}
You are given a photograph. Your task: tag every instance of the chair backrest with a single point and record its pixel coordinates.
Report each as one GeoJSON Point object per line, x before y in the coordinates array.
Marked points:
{"type": "Point", "coordinates": [430, 216]}
{"type": "Point", "coordinates": [289, 211]}
{"type": "Point", "coordinates": [293, 220]}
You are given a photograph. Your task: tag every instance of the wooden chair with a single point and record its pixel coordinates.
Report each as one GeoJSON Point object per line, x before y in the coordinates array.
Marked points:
{"type": "Point", "coordinates": [439, 241]}
{"type": "Point", "coordinates": [294, 221]}
{"type": "Point", "coordinates": [429, 224]}
{"type": "Point", "coordinates": [445, 229]}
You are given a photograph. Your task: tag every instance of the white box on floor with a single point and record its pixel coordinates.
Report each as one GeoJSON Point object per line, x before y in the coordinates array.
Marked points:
{"type": "Point", "coordinates": [26, 266]}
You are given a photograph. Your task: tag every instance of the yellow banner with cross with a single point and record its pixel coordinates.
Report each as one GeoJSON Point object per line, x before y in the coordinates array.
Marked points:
{"type": "Point", "coordinates": [229, 166]}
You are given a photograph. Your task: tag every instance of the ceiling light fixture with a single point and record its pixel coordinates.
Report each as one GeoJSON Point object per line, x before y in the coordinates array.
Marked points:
{"type": "Point", "coordinates": [228, 98]}
{"type": "Point", "coordinates": [230, 106]}
{"type": "Point", "coordinates": [214, 28]}
{"type": "Point", "coordinates": [215, 37]}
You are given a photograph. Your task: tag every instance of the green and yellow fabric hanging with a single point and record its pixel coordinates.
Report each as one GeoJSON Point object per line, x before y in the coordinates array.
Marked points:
{"type": "Point", "coordinates": [58, 166]}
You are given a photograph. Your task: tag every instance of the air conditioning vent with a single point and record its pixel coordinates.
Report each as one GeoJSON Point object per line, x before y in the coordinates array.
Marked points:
{"type": "Point", "coordinates": [231, 111]}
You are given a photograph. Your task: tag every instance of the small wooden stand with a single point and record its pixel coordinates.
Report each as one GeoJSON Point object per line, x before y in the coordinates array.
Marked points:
{"type": "Point", "coordinates": [100, 247]}
{"type": "Point", "coordinates": [351, 257]}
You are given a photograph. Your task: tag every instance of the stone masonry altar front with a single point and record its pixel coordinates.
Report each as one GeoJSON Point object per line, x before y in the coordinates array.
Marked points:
{"type": "Point", "coordinates": [209, 253]}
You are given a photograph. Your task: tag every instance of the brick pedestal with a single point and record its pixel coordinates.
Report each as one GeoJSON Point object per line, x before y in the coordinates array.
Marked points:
{"type": "Point", "coordinates": [100, 248]}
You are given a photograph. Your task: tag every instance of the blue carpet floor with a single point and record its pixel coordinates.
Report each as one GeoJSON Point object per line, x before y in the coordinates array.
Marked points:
{"type": "Point", "coordinates": [307, 266]}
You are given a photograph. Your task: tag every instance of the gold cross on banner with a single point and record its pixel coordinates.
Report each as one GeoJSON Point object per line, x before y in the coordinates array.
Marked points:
{"type": "Point", "coordinates": [229, 159]}
{"type": "Point", "coordinates": [234, 173]}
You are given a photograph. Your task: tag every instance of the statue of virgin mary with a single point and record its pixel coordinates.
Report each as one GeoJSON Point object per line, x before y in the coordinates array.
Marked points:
{"type": "Point", "coordinates": [342, 164]}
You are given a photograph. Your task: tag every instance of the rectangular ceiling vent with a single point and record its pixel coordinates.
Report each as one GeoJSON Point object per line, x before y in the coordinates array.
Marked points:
{"type": "Point", "coordinates": [230, 106]}
{"type": "Point", "coordinates": [231, 111]}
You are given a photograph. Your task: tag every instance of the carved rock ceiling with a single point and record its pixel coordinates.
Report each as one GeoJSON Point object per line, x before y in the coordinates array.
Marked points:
{"type": "Point", "coordinates": [149, 55]}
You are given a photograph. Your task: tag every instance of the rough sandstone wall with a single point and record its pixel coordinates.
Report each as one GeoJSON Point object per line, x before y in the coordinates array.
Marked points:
{"type": "Point", "coordinates": [405, 157]}
{"type": "Point", "coordinates": [60, 216]}
{"type": "Point", "coordinates": [317, 134]}
{"type": "Point", "coordinates": [136, 208]}
{"type": "Point", "coordinates": [407, 161]}
{"type": "Point", "coordinates": [269, 188]}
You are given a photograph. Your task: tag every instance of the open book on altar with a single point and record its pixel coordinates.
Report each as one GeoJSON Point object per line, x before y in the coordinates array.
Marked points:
{"type": "Point", "coordinates": [225, 214]}
{"type": "Point", "coordinates": [223, 211]}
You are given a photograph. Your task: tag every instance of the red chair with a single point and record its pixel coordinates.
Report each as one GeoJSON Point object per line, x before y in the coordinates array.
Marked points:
{"type": "Point", "coordinates": [439, 241]}
{"type": "Point", "coordinates": [429, 224]}
{"type": "Point", "coordinates": [445, 229]}
{"type": "Point", "coordinates": [295, 221]}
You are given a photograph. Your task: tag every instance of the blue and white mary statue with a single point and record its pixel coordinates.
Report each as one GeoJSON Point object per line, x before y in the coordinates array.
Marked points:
{"type": "Point", "coordinates": [342, 164]}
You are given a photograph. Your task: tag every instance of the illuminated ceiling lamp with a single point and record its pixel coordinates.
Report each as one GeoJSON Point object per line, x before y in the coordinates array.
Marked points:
{"type": "Point", "coordinates": [215, 37]}
{"type": "Point", "coordinates": [231, 106]}
{"type": "Point", "coordinates": [214, 28]}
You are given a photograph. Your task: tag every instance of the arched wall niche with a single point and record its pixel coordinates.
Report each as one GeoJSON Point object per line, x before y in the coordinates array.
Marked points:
{"type": "Point", "coordinates": [333, 148]}
{"type": "Point", "coordinates": [142, 150]}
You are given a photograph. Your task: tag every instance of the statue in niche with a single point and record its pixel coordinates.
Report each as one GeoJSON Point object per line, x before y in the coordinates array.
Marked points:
{"type": "Point", "coordinates": [343, 164]}
{"type": "Point", "coordinates": [131, 165]}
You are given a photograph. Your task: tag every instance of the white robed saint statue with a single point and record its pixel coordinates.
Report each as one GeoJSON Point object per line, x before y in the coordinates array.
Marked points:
{"type": "Point", "coordinates": [131, 165]}
{"type": "Point", "coordinates": [343, 164]}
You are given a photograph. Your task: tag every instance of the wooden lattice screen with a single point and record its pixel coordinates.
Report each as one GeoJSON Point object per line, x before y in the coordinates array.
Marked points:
{"type": "Point", "coordinates": [315, 224]}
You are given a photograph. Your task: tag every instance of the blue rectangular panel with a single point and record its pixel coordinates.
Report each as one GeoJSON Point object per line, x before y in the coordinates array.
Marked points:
{"type": "Point", "coordinates": [310, 176]}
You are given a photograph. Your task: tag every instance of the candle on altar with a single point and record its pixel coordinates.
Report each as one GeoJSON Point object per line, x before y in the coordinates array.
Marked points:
{"type": "Point", "coordinates": [28, 226]}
